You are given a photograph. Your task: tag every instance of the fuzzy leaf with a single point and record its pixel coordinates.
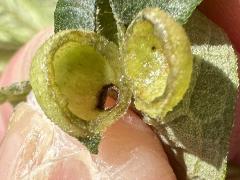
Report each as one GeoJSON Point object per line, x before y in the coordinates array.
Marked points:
{"type": "Point", "coordinates": [197, 134]}
{"type": "Point", "coordinates": [91, 15]}
{"type": "Point", "coordinates": [125, 10]}
{"type": "Point", "coordinates": [15, 93]}
{"type": "Point", "coordinates": [97, 15]}
{"type": "Point", "coordinates": [74, 14]}
{"type": "Point", "coordinates": [105, 22]}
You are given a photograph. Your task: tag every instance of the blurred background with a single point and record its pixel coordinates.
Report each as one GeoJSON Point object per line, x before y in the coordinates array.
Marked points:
{"type": "Point", "coordinates": [19, 21]}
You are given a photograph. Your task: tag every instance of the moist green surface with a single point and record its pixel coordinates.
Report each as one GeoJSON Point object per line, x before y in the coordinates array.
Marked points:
{"type": "Point", "coordinates": [68, 74]}
{"type": "Point", "coordinates": [80, 72]}
{"type": "Point", "coordinates": [157, 61]}
{"type": "Point", "coordinates": [146, 63]}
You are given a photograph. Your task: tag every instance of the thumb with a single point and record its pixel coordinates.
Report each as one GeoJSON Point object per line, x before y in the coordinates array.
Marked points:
{"type": "Point", "coordinates": [130, 146]}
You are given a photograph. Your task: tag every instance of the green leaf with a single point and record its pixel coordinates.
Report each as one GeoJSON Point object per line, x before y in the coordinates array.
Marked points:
{"type": "Point", "coordinates": [197, 134]}
{"type": "Point", "coordinates": [68, 75]}
{"type": "Point", "coordinates": [21, 19]}
{"type": "Point", "coordinates": [74, 14]}
{"type": "Point", "coordinates": [105, 22]}
{"type": "Point", "coordinates": [159, 65]}
{"type": "Point", "coordinates": [125, 10]}
{"type": "Point", "coordinates": [15, 93]}
{"type": "Point", "coordinates": [91, 142]}
{"type": "Point", "coordinates": [97, 15]}
{"type": "Point", "coordinates": [91, 15]}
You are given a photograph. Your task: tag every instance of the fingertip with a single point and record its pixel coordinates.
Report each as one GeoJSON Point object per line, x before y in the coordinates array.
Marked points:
{"type": "Point", "coordinates": [132, 149]}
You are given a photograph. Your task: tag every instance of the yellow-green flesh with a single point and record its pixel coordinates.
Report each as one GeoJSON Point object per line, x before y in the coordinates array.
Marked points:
{"type": "Point", "coordinates": [158, 62]}
{"type": "Point", "coordinates": [146, 62]}
{"type": "Point", "coordinates": [80, 73]}
{"type": "Point", "coordinates": [68, 74]}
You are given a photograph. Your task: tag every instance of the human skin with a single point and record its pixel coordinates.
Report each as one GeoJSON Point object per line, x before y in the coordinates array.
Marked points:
{"type": "Point", "coordinates": [126, 147]}
{"type": "Point", "coordinates": [225, 13]}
